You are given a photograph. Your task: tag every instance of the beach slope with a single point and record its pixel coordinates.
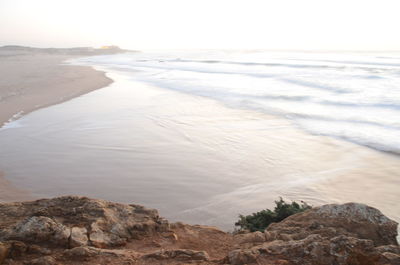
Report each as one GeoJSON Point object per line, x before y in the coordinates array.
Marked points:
{"type": "Point", "coordinates": [33, 78]}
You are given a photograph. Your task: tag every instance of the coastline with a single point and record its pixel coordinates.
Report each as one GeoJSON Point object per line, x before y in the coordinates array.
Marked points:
{"type": "Point", "coordinates": [35, 80]}
{"type": "Point", "coordinates": [255, 165]}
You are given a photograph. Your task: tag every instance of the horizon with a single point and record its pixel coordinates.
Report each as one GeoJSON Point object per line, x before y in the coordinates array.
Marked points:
{"type": "Point", "coordinates": [180, 25]}
{"type": "Point", "coordinates": [210, 49]}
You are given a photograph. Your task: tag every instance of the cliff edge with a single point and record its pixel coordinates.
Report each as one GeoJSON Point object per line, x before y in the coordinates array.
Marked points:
{"type": "Point", "coordinates": [80, 230]}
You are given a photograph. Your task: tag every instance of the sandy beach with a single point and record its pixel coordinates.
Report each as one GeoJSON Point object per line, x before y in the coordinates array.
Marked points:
{"type": "Point", "coordinates": [31, 80]}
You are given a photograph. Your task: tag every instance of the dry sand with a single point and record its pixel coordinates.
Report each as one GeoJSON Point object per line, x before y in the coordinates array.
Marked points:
{"type": "Point", "coordinates": [32, 80]}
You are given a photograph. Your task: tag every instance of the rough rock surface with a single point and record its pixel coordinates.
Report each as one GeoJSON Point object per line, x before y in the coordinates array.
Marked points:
{"type": "Point", "coordinates": [350, 219]}
{"type": "Point", "coordinates": [344, 234]}
{"type": "Point", "coordinates": [79, 230]}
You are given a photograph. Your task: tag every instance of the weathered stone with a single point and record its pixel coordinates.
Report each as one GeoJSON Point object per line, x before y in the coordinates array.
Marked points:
{"type": "Point", "coordinates": [35, 249]}
{"type": "Point", "coordinates": [331, 235]}
{"type": "Point", "coordinates": [81, 252]}
{"type": "Point", "coordinates": [170, 235]}
{"type": "Point", "coordinates": [39, 229]}
{"type": "Point", "coordinates": [4, 250]}
{"type": "Point", "coordinates": [51, 221]}
{"type": "Point", "coordinates": [78, 237]}
{"type": "Point", "coordinates": [17, 248]}
{"type": "Point", "coordinates": [179, 255]}
{"type": "Point", "coordinates": [98, 238]}
{"type": "Point", "coordinates": [241, 257]}
{"type": "Point", "coordinates": [255, 237]}
{"type": "Point", "coordinates": [47, 260]}
{"type": "Point", "coordinates": [350, 219]}
{"type": "Point", "coordinates": [391, 258]}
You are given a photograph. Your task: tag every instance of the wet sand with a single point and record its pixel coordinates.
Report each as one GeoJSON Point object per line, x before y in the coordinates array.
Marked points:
{"type": "Point", "coordinates": [8, 192]}
{"type": "Point", "coordinates": [33, 80]}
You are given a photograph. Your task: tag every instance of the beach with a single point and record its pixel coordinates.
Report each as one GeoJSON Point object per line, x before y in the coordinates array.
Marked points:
{"type": "Point", "coordinates": [189, 156]}
{"type": "Point", "coordinates": [32, 80]}
{"type": "Point", "coordinates": [35, 79]}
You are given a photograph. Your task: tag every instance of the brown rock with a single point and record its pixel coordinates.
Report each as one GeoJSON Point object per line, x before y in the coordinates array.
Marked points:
{"type": "Point", "coordinates": [330, 234]}
{"type": "Point", "coordinates": [241, 257]}
{"type": "Point", "coordinates": [51, 220]}
{"type": "Point", "coordinates": [17, 248]}
{"type": "Point", "coordinates": [179, 255]}
{"type": "Point", "coordinates": [47, 260]}
{"type": "Point", "coordinates": [391, 258]}
{"type": "Point", "coordinates": [78, 237]}
{"type": "Point", "coordinates": [38, 229]}
{"type": "Point", "coordinates": [35, 249]}
{"type": "Point", "coordinates": [81, 252]}
{"type": "Point", "coordinates": [4, 250]}
{"type": "Point", "coordinates": [350, 219]}
{"type": "Point", "coordinates": [99, 238]}
{"type": "Point", "coordinates": [170, 235]}
{"type": "Point", "coordinates": [255, 237]}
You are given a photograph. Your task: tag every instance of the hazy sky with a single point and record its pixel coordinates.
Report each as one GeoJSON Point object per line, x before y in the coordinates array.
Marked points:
{"type": "Point", "coordinates": [234, 24]}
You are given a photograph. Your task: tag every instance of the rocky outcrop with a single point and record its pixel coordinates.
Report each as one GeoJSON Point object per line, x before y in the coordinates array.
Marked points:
{"type": "Point", "coordinates": [79, 230]}
{"type": "Point", "coordinates": [350, 219]}
{"type": "Point", "coordinates": [77, 221]}
{"type": "Point", "coordinates": [331, 234]}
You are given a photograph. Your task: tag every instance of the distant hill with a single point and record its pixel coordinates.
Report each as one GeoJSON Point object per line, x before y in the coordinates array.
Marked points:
{"type": "Point", "coordinates": [66, 51]}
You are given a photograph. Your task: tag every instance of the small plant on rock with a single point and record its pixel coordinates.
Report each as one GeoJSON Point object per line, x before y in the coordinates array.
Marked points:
{"type": "Point", "coordinates": [260, 220]}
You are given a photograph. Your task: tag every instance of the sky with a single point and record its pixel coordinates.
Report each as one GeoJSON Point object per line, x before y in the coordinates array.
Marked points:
{"type": "Point", "coordinates": [203, 24]}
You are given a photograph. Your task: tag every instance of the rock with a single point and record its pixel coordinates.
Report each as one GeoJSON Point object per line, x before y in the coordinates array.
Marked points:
{"type": "Point", "coordinates": [98, 238]}
{"type": "Point", "coordinates": [350, 219]}
{"type": "Point", "coordinates": [39, 229]}
{"type": "Point", "coordinates": [78, 237]}
{"type": "Point", "coordinates": [314, 249]}
{"type": "Point", "coordinates": [240, 257]}
{"type": "Point", "coordinates": [255, 237]}
{"type": "Point", "coordinates": [86, 253]}
{"type": "Point", "coordinates": [81, 252]}
{"type": "Point", "coordinates": [389, 248]}
{"type": "Point", "coordinates": [35, 249]}
{"type": "Point", "coordinates": [331, 235]}
{"type": "Point", "coordinates": [51, 221]}
{"type": "Point", "coordinates": [391, 258]}
{"type": "Point", "coordinates": [47, 260]}
{"type": "Point", "coordinates": [179, 255]}
{"type": "Point", "coordinates": [4, 250]}
{"type": "Point", "coordinates": [17, 248]}
{"type": "Point", "coordinates": [170, 235]}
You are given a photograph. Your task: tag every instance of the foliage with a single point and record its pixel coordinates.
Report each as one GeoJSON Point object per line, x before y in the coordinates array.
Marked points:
{"type": "Point", "coordinates": [260, 220]}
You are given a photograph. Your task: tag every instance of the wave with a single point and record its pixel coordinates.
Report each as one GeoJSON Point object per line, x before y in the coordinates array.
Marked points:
{"type": "Point", "coordinates": [349, 96]}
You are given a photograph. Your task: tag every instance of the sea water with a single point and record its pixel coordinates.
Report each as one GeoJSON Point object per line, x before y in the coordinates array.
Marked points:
{"type": "Point", "coordinates": [353, 96]}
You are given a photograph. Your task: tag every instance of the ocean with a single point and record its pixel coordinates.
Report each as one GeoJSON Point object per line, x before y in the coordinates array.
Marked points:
{"type": "Point", "coordinates": [352, 96]}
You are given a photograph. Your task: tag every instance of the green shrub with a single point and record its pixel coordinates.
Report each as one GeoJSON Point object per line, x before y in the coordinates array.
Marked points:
{"type": "Point", "coordinates": [260, 220]}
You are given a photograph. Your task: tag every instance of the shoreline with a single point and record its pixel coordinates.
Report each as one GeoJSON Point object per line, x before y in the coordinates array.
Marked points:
{"type": "Point", "coordinates": [35, 80]}
{"type": "Point", "coordinates": [310, 168]}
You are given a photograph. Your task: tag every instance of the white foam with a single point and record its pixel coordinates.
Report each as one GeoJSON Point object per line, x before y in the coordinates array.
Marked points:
{"type": "Point", "coordinates": [352, 96]}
